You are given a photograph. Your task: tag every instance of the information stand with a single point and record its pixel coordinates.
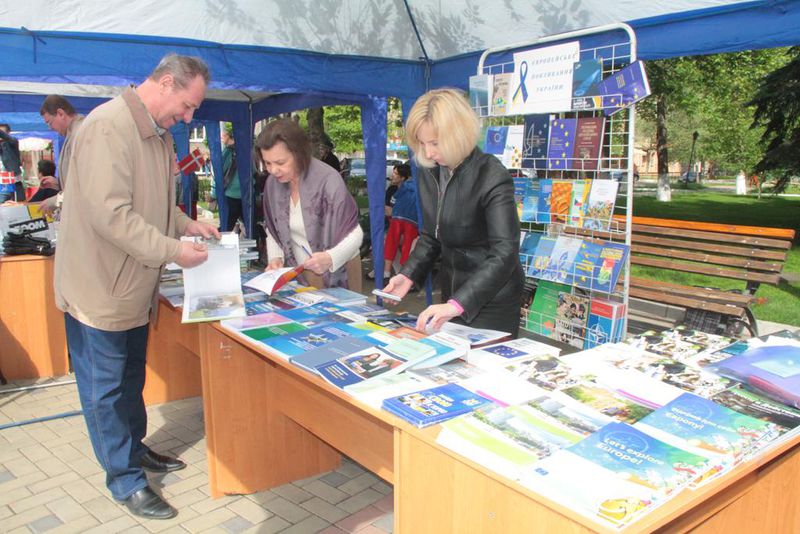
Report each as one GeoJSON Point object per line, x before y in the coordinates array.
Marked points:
{"type": "Point", "coordinates": [572, 166]}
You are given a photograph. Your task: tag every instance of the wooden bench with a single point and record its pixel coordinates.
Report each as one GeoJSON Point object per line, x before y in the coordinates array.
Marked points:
{"type": "Point", "coordinates": [750, 254]}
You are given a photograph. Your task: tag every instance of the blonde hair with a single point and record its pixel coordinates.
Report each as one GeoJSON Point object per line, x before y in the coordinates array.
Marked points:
{"type": "Point", "coordinates": [452, 119]}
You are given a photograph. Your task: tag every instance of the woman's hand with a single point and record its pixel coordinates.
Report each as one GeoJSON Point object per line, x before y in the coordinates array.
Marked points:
{"type": "Point", "coordinates": [433, 317]}
{"type": "Point", "coordinates": [398, 285]}
{"type": "Point", "coordinates": [277, 263]}
{"type": "Point", "coordinates": [319, 263]}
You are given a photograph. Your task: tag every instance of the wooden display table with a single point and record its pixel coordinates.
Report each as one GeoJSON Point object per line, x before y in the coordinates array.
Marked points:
{"type": "Point", "coordinates": [33, 341]}
{"type": "Point", "coordinates": [269, 423]}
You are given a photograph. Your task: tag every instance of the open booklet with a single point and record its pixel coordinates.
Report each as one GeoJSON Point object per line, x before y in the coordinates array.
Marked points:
{"type": "Point", "coordinates": [213, 290]}
{"type": "Point", "coordinates": [270, 281]}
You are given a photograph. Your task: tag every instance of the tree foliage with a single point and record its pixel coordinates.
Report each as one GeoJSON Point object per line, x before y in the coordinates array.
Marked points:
{"type": "Point", "coordinates": [710, 95]}
{"type": "Point", "coordinates": [777, 116]}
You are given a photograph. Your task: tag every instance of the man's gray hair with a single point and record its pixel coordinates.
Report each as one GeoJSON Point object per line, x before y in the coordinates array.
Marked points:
{"type": "Point", "coordinates": [183, 69]}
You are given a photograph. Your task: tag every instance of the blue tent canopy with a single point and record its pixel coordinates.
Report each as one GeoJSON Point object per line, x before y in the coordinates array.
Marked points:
{"type": "Point", "coordinates": [274, 56]}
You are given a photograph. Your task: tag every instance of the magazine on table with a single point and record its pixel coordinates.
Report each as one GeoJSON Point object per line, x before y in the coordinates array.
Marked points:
{"type": "Point", "coordinates": [271, 281]}
{"type": "Point", "coordinates": [213, 290]}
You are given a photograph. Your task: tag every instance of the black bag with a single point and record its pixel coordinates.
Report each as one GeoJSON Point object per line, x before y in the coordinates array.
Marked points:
{"type": "Point", "coordinates": [16, 244]}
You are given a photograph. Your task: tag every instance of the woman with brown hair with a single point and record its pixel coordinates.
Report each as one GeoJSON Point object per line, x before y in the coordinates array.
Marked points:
{"type": "Point", "coordinates": [310, 217]}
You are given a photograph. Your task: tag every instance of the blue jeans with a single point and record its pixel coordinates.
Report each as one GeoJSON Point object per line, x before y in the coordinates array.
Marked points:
{"type": "Point", "coordinates": [110, 371]}
{"type": "Point", "coordinates": [18, 194]}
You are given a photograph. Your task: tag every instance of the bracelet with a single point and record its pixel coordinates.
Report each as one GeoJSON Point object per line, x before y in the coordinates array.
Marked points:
{"type": "Point", "coordinates": [456, 305]}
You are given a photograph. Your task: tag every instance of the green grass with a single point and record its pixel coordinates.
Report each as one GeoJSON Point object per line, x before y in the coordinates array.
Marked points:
{"type": "Point", "coordinates": [780, 304]}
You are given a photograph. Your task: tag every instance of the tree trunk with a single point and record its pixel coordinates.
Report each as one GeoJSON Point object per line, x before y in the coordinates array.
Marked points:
{"type": "Point", "coordinates": [664, 193]}
{"type": "Point", "coordinates": [316, 127]}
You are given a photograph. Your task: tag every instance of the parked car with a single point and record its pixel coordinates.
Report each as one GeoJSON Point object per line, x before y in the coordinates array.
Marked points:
{"type": "Point", "coordinates": [358, 166]}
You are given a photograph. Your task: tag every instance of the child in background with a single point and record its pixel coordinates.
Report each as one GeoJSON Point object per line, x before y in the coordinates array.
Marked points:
{"type": "Point", "coordinates": [403, 226]}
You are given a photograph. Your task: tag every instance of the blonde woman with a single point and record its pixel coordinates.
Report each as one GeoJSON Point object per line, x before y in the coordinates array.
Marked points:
{"type": "Point", "coordinates": [469, 220]}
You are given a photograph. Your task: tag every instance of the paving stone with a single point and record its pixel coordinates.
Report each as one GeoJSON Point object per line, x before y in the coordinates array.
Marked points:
{"type": "Point", "coordinates": [386, 503]}
{"type": "Point", "coordinates": [37, 499]}
{"type": "Point", "coordinates": [350, 469]}
{"type": "Point", "coordinates": [120, 524]}
{"type": "Point", "coordinates": [287, 510]}
{"type": "Point", "coordinates": [8, 453]}
{"type": "Point", "coordinates": [52, 466]}
{"type": "Point", "coordinates": [270, 526]}
{"type": "Point", "coordinates": [5, 476]}
{"type": "Point", "coordinates": [104, 509]}
{"type": "Point", "coordinates": [36, 453]}
{"type": "Point", "coordinates": [262, 497]}
{"type": "Point", "coordinates": [310, 524]}
{"type": "Point", "coordinates": [54, 481]}
{"type": "Point", "coordinates": [305, 481]}
{"type": "Point", "coordinates": [76, 526]}
{"type": "Point", "coordinates": [334, 479]}
{"type": "Point", "coordinates": [22, 482]}
{"type": "Point", "coordinates": [371, 529]}
{"type": "Point", "coordinates": [382, 487]}
{"type": "Point", "coordinates": [360, 519]}
{"type": "Point", "coordinates": [86, 467]}
{"type": "Point", "coordinates": [170, 525]}
{"type": "Point", "coordinates": [249, 510]}
{"type": "Point", "coordinates": [211, 519]}
{"type": "Point", "coordinates": [43, 524]}
{"type": "Point", "coordinates": [186, 499]}
{"type": "Point", "coordinates": [359, 483]}
{"type": "Point", "coordinates": [5, 511]}
{"type": "Point", "coordinates": [326, 492]}
{"type": "Point", "coordinates": [24, 518]}
{"type": "Point", "coordinates": [67, 509]}
{"type": "Point", "coordinates": [333, 529]}
{"type": "Point", "coordinates": [209, 504]}
{"type": "Point", "coordinates": [20, 467]}
{"type": "Point", "coordinates": [65, 452]}
{"type": "Point", "coordinates": [385, 523]}
{"type": "Point", "coordinates": [8, 497]}
{"type": "Point", "coordinates": [292, 493]}
{"type": "Point", "coordinates": [81, 491]}
{"type": "Point", "coordinates": [236, 525]}
{"type": "Point", "coordinates": [324, 509]}
{"type": "Point", "coordinates": [360, 500]}
{"type": "Point", "coordinates": [188, 484]}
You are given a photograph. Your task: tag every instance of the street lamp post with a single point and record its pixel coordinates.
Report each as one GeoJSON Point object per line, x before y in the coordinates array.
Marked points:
{"type": "Point", "coordinates": [695, 135]}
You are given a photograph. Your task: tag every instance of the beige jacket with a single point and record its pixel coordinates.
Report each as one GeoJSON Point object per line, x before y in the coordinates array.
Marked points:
{"type": "Point", "coordinates": [66, 149]}
{"type": "Point", "coordinates": [112, 240]}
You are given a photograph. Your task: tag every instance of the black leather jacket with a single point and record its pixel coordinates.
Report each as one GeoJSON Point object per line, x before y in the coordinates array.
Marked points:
{"type": "Point", "coordinates": [473, 225]}
{"type": "Point", "coordinates": [9, 153]}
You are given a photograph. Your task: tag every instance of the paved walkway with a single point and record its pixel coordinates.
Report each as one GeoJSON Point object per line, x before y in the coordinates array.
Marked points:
{"type": "Point", "coordinates": [51, 482]}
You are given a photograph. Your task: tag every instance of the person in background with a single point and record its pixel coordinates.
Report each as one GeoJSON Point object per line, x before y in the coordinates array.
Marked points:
{"type": "Point", "coordinates": [48, 184]}
{"type": "Point", "coordinates": [309, 215]}
{"type": "Point", "coordinates": [121, 225]}
{"type": "Point", "coordinates": [469, 220]}
{"type": "Point", "coordinates": [62, 118]}
{"type": "Point", "coordinates": [230, 178]}
{"type": "Point", "coordinates": [326, 154]}
{"type": "Point", "coordinates": [404, 219]}
{"type": "Point", "coordinates": [10, 167]}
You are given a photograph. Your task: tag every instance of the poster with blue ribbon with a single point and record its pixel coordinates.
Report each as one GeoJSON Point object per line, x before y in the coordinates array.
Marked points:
{"type": "Point", "coordinates": [542, 80]}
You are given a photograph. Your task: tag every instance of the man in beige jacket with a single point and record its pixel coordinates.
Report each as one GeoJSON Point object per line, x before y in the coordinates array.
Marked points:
{"type": "Point", "coordinates": [119, 225]}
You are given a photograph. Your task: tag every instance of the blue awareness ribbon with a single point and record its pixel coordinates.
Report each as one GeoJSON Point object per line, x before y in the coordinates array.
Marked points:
{"type": "Point", "coordinates": [522, 90]}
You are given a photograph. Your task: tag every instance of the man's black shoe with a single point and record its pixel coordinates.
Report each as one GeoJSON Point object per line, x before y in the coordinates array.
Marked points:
{"type": "Point", "coordinates": [146, 503]}
{"type": "Point", "coordinates": [158, 463]}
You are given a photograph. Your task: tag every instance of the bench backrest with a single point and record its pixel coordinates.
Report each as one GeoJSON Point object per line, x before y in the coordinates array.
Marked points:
{"type": "Point", "coordinates": [753, 254]}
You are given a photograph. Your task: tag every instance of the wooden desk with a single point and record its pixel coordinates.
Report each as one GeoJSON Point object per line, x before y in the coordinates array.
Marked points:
{"type": "Point", "coordinates": [269, 422]}
{"type": "Point", "coordinates": [33, 341]}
